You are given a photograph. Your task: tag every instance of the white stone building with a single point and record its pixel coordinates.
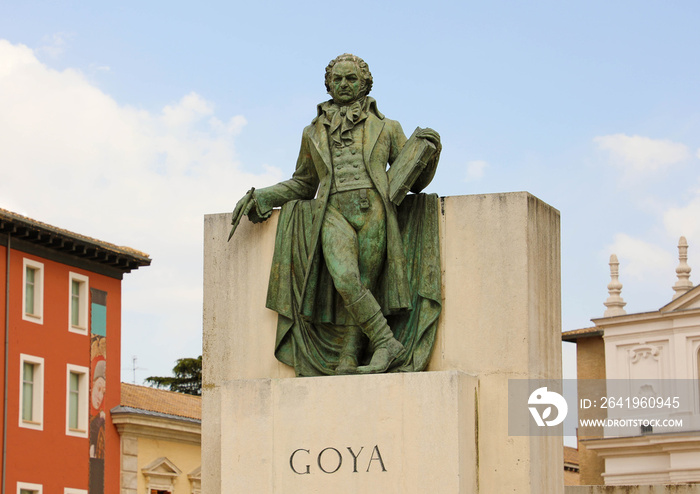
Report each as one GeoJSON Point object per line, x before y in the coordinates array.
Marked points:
{"type": "Point", "coordinates": [647, 357]}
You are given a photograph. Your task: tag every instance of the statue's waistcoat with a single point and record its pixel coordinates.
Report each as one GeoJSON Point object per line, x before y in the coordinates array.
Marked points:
{"type": "Point", "coordinates": [349, 169]}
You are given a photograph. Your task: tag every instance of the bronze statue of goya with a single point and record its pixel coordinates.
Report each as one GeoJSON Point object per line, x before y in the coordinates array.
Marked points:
{"type": "Point", "coordinates": [355, 278]}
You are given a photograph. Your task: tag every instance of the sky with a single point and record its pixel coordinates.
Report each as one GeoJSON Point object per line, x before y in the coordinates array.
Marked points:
{"type": "Point", "coordinates": [129, 121]}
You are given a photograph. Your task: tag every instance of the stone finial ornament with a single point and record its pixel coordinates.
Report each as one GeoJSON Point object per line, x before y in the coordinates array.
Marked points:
{"type": "Point", "coordinates": [614, 303]}
{"type": "Point", "coordinates": [683, 270]}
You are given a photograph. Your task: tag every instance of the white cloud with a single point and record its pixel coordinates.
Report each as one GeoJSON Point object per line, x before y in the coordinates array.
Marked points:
{"type": "Point", "coordinates": [642, 260]}
{"type": "Point", "coordinates": [187, 111]}
{"type": "Point", "coordinates": [74, 157]}
{"type": "Point", "coordinates": [638, 154]}
{"type": "Point", "coordinates": [475, 170]}
{"type": "Point", "coordinates": [684, 220]}
{"type": "Point", "coordinates": [55, 44]}
{"type": "Point", "coordinates": [94, 68]}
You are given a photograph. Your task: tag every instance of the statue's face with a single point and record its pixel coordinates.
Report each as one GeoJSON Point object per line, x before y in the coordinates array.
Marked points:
{"type": "Point", "coordinates": [345, 82]}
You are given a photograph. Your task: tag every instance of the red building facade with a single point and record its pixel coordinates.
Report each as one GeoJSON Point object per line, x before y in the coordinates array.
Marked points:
{"type": "Point", "coordinates": [61, 339]}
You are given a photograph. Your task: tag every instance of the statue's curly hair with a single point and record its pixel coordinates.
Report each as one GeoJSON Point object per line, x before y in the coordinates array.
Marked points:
{"type": "Point", "coordinates": [365, 74]}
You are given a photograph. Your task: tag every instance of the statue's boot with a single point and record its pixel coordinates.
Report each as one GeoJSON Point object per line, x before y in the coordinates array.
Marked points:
{"type": "Point", "coordinates": [367, 311]}
{"type": "Point", "coordinates": [352, 346]}
{"type": "Point", "coordinates": [386, 347]}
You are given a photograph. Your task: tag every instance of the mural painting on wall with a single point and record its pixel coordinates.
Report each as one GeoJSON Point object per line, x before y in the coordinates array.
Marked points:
{"type": "Point", "coordinates": [98, 386]}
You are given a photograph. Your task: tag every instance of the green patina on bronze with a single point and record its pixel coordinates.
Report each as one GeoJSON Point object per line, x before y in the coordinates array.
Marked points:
{"type": "Point", "coordinates": [355, 278]}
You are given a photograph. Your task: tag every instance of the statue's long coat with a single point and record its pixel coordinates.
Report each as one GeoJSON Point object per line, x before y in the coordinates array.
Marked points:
{"type": "Point", "coordinates": [382, 141]}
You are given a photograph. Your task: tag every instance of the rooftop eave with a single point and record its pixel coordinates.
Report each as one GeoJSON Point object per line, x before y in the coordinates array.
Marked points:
{"type": "Point", "coordinates": [683, 301]}
{"type": "Point", "coordinates": [124, 259]}
{"type": "Point", "coordinates": [126, 411]}
{"type": "Point", "coordinates": [617, 321]}
{"type": "Point", "coordinates": [154, 425]}
{"type": "Point", "coordinates": [602, 322]}
{"type": "Point", "coordinates": [577, 334]}
{"type": "Point", "coordinates": [645, 444]}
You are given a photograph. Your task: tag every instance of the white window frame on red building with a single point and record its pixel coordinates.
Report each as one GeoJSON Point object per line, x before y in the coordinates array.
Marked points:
{"type": "Point", "coordinates": [27, 487]}
{"type": "Point", "coordinates": [37, 422]}
{"type": "Point", "coordinates": [82, 410]}
{"type": "Point", "coordinates": [82, 301]}
{"type": "Point", "coordinates": [37, 311]}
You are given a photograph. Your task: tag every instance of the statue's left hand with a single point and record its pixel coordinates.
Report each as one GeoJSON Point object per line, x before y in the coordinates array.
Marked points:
{"type": "Point", "coordinates": [431, 136]}
{"type": "Point", "coordinates": [429, 172]}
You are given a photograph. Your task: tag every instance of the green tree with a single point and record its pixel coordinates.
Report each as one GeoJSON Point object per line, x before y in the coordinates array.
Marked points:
{"type": "Point", "coordinates": [187, 377]}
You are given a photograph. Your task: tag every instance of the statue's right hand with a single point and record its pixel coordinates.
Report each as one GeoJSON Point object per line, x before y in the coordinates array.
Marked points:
{"type": "Point", "coordinates": [243, 207]}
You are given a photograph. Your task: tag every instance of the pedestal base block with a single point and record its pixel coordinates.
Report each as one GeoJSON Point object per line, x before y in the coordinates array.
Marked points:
{"type": "Point", "coordinates": [389, 433]}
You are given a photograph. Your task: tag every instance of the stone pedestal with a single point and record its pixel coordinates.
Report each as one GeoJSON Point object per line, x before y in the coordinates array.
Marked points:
{"type": "Point", "coordinates": [390, 433]}
{"type": "Point", "coordinates": [501, 320]}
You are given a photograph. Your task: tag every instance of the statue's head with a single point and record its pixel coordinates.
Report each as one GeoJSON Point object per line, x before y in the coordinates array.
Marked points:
{"type": "Point", "coordinates": [348, 79]}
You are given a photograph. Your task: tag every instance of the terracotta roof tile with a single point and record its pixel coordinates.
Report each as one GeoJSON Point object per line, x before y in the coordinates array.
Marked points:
{"type": "Point", "coordinates": [161, 401]}
{"type": "Point", "coordinates": [570, 455]}
{"type": "Point", "coordinates": [575, 334]}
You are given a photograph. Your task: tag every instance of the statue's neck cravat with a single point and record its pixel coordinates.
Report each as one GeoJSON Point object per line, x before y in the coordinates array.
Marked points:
{"type": "Point", "coordinates": [340, 120]}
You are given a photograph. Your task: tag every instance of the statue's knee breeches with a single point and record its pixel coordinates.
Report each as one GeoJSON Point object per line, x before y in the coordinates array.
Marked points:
{"type": "Point", "coordinates": [354, 241]}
